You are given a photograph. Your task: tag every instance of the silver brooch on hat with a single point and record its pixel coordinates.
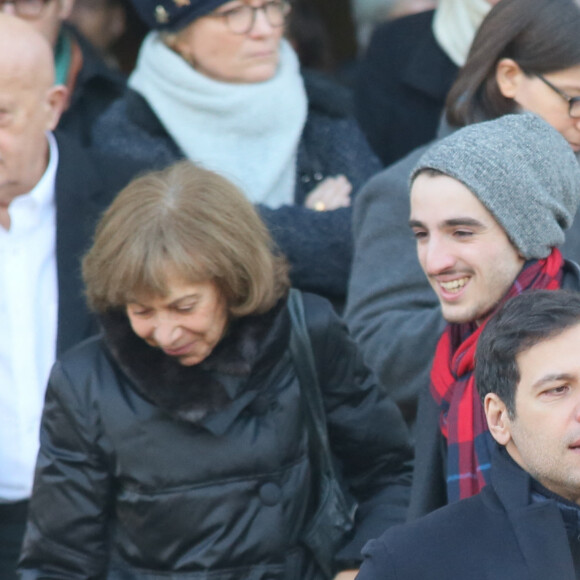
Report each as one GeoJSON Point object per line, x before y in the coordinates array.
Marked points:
{"type": "Point", "coordinates": [161, 15]}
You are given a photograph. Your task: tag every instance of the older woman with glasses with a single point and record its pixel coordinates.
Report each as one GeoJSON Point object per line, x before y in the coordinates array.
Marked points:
{"type": "Point", "coordinates": [218, 84]}
{"type": "Point", "coordinates": [182, 442]}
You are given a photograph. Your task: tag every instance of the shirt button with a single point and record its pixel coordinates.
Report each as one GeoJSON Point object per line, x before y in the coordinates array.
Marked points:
{"type": "Point", "coordinates": [270, 494]}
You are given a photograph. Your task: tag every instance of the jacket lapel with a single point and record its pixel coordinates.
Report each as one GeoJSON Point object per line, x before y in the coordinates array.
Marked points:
{"type": "Point", "coordinates": [538, 527]}
{"type": "Point", "coordinates": [542, 538]}
{"type": "Point", "coordinates": [429, 68]}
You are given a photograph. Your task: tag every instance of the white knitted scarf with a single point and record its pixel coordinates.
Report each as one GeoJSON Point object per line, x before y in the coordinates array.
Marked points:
{"type": "Point", "coordinates": [247, 132]}
{"type": "Point", "coordinates": [455, 24]}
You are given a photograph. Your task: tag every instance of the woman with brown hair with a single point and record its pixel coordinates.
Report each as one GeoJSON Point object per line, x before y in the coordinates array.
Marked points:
{"type": "Point", "coordinates": [178, 444]}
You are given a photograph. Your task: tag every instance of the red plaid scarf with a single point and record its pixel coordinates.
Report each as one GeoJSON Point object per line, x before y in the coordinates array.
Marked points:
{"type": "Point", "coordinates": [462, 421]}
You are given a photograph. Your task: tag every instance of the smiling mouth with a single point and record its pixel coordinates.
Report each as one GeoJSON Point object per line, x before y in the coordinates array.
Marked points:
{"type": "Point", "coordinates": [177, 351]}
{"type": "Point", "coordinates": [454, 286]}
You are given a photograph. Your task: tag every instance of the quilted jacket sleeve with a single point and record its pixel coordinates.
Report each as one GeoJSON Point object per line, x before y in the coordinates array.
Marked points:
{"type": "Point", "coordinates": [367, 432]}
{"type": "Point", "coordinates": [66, 533]}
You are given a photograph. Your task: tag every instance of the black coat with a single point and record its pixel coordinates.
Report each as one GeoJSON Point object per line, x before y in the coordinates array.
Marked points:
{"type": "Point", "coordinates": [192, 470]}
{"type": "Point", "coordinates": [85, 184]}
{"type": "Point", "coordinates": [498, 534]}
{"type": "Point", "coordinates": [402, 84]}
{"type": "Point", "coordinates": [96, 87]}
{"type": "Point", "coordinates": [317, 244]}
{"type": "Point", "coordinates": [429, 490]}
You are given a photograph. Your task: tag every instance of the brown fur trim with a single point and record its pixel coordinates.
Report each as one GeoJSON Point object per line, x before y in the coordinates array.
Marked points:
{"type": "Point", "coordinates": [190, 393]}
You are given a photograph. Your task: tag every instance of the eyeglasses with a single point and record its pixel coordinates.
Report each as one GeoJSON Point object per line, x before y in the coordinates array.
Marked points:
{"type": "Point", "coordinates": [573, 102]}
{"type": "Point", "coordinates": [26, 8]}
{"type": "Point", "coordinates": [241, 20]}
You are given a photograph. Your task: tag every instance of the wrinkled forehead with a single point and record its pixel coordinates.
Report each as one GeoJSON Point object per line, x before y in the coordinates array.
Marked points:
{"type": "Point", "coordinates": [549, 361]}
{"type": "Point", "coordinates": [156, 279]}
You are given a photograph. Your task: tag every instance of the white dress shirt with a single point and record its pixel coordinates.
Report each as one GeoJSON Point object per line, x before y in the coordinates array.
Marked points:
{"type": "Point", "coordinates": [28, 324]}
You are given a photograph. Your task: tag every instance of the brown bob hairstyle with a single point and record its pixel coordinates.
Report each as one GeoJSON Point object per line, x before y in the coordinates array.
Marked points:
{"type": "Point", "coordinates": [189, 222]}
{"type": "Point", "coordinates": [541, 36]}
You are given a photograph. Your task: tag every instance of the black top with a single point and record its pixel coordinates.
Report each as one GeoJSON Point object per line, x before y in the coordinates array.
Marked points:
{"type": "Point", "coordinates": [401, 88]}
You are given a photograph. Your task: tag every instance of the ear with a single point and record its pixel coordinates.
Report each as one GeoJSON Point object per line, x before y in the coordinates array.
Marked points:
{"type": "Point", "coordinates": [180, 42]}
{"type": "Point", "coordinates": [498, 419]}
{"type": "Point", "coordinates": [508, 76]}
{"type": "Point", "coordinates": [56, 101]}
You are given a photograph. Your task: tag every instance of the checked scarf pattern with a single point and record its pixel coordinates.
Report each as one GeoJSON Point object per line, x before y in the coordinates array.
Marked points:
{"type": "Point", "coordinates": [462, 420]}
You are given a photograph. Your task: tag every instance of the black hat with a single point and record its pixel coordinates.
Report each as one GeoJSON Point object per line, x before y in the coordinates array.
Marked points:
{"type": "Point", "coordinates": [173, 14]}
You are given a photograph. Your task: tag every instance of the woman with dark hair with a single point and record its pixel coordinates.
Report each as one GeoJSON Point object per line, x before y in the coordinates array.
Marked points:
{"type": "Point", "coordinates": [522, 59]}
{"type": "Point", "coordinates": [180, 443]}
{"type": "Point", "coordinates": [525, 56]}
{"type": "Point", "coordinates": [216, 83]}
{"type": "Point", "coordinates": [407, 71]}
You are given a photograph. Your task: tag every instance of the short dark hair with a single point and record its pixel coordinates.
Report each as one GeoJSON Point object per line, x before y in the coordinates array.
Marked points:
{"type": "Point", "coordinates": [522, 322]}
{"type": "Point", "coordinates": [542, 36]}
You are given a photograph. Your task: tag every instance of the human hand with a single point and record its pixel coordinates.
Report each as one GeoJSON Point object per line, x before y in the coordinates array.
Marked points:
{"type": "Point", "coordinates": [346, 575]}
{"type": "Point", "coordinates": [332, 193]}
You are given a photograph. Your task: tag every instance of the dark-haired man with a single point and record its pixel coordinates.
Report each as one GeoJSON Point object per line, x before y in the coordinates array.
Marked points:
{"type": "Point", "coordinates": [489, 206]}
{"type": "Point", "coordinates": [526, 523]}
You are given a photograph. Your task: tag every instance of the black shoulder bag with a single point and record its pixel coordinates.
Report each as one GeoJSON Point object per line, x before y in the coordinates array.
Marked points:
{"type": "Point", "coordinates": [333, 519]}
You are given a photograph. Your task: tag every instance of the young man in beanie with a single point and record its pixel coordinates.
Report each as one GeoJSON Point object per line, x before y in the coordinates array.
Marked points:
{"type": "Point", "coordinates": [489, 206]}
{"type": "Point", "coordinates": [526, 522]}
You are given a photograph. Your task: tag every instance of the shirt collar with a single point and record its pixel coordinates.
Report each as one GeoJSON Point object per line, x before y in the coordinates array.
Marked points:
{"type": "Point", "coordinates": [41, 197]}
{"type": "Point", "coordinates": [43, 191]}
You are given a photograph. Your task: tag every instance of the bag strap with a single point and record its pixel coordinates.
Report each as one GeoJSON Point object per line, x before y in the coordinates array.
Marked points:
{"type": "Point", "coordinates": [303, 356]}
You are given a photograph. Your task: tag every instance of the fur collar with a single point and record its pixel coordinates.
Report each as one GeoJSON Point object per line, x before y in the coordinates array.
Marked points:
{"type": "Point", "coordinates": [253, 344]}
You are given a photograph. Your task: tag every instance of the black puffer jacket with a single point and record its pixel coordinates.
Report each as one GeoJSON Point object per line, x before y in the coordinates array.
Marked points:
{"type": "Point", "coordinates": [148, 469]}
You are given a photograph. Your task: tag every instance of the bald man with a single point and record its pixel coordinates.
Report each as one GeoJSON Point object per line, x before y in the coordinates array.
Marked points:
{"type": "Point", "coordinates": [51, 192]}
{"type": "Point", "coordinates": [92, 85]}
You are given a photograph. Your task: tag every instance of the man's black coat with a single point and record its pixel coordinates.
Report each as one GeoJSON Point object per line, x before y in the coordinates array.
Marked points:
{"type": "Point", "coordinates": [86, 183]}
{"type": "Point", "coordinates": [498, 534]}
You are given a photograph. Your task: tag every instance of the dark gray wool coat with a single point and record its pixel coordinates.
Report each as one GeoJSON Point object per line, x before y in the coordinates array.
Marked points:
{"type": "Point", "coordinates": [318, 245]}
{"type": "Point", "coordinates": [149, 469]}
{"type": "Point", "coordinates": [501, 533]}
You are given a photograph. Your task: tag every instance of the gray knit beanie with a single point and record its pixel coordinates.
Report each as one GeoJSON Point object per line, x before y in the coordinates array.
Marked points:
{"type": "Point", "coordinates": [522, 170]}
